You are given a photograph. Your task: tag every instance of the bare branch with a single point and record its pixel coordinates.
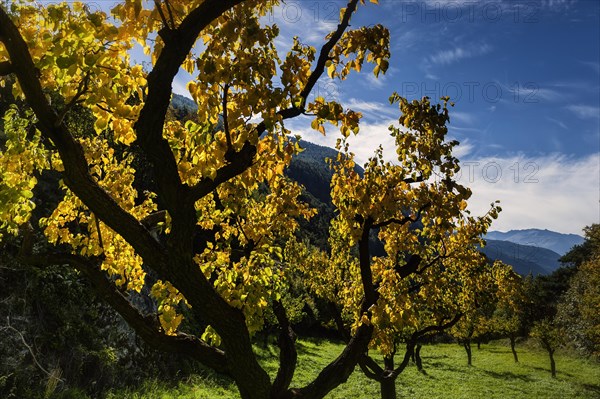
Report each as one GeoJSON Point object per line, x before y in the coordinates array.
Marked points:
{"type": "Point", "coordinates": [412, 341]}
{"type": "Point", "coordinates": [370, 368]}
{"type": "Point", "coordinates": [162, 16]}
{"type": "Point", "coordinates": [81, 90]}
{"type": "Point", "coordinates": [170, 11]}
{"type": "Point", "coordinates": [225, 118]}
{"type": "Point", "coordinates": [405, 219]}
{"type": "Point", "coordinates": [30, 349]}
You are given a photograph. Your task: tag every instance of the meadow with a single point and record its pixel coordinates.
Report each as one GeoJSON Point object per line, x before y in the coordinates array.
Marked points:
{"type": "Point", "coordinates": [494, 375]}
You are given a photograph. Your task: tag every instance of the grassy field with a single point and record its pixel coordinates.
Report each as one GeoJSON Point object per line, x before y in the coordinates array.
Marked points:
{"type": "Point", "coordinates": [494, 375]}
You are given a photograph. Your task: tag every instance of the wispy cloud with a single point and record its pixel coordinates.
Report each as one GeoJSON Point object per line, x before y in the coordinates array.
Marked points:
{"type": "Point", "coordinates": [451, 56]}
{"type": "Point", "coordinates": [462, 117]}
{"type": "Point", "coordinates": [373, 110]}
{"type": "Point", "coordinates": [554, 191]}
{"type": "Point", "coordinates": [594, 65]}
{"type": "Point", "coordinates": [585, 111]}
{"type": "Point", "coordinates": [558, 123]}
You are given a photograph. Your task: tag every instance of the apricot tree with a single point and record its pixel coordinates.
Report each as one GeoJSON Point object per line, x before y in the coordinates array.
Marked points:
{"type": "Point", "coordinates": [207, 227]}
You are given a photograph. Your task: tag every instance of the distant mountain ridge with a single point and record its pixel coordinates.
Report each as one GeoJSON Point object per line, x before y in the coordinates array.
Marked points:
{"type": "Point", "coordinates": [524, 259]}
{"type": "Point", "coordinates": [557, 242]}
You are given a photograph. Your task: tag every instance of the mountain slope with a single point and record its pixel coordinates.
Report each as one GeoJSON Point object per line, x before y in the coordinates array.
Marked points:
{"type": "Point", "coordinates": [524, 259]}
{"type": "Point", "coordinates": [557, 242]}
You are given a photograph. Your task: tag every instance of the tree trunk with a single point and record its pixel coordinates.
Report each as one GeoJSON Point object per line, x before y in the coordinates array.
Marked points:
{"type": "Point", "coordinates": [552, 364]}
{"type": "Point", "coordinates": [388, 388]}
{"type": "Point", "coordinates": [388, 382]}
{"type": "Point", "coordinates": [467, 346]}
{"type": "Point", "coordinates": [512, 348]}
{"type": "Point", "coordinates": [478, 345]}
{"type": "Point", "coordinates": [418, 361]}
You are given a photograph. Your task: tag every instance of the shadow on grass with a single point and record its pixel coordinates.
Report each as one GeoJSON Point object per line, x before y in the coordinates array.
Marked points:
{"type": "Point", "coordinates": [209, 378]}
{"type": "Point", "coordinates": [507, 375]}
{"type": "Point", "coordinates": [435, 357]}
{"type": "Point", "coordinates": [304, 349]}
{"type": "Point", "coordinates": [592, 387]}
{"type": "Point", "coordinates": [559, 371]}
{"type": "Point", "coordinates": [497, 350]}
{"type": "Point", "coordinates": [443, 366]}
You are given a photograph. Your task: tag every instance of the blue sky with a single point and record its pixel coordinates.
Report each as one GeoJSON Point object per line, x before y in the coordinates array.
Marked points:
{"type": "Point", "coordinates": [525, 77]}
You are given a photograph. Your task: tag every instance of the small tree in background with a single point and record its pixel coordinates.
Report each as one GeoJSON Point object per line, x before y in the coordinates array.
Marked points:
{"type": "Point", "coordinates": [507, 319]}
{"type": "Point", "coordinates": [578, 310]}
{"type": "Point", "coordinates": [550, 336]}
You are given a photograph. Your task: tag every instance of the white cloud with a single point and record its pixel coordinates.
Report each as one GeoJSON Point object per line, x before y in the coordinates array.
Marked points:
{"type": "Point", "coordinates": [462, 117]}
{"type": "Point", "coordinates": [585, 111]}
{"type": "Point", "coordinates": [363, 145]}
{"type": "Point", "coordinates": [373, 110]}
{"type": "Point", "coordinates": [554, 192]}
{"type": "Point", "coordinates": [594, 65]}
{"type": "Point", "coordinates": [558, 123]}
{"type": "Point", "coordinates": [446, 57]}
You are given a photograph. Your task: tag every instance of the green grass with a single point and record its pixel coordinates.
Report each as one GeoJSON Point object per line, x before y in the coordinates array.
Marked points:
{"type": "Point", "coordinates": [493, 375]}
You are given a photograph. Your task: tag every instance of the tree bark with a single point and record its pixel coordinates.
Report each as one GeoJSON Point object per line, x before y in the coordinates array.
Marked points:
{"type": "Point", "coordinates": [388, 388]}
{"type": "Point", "coordinates": [512, 348]}
{"type": "Point", "coordinates": [418, 360]}
{"type": "Point", "coordinates": [288, 356]}
{"type": "Point", "coordinates": [388, 382]}
{"type": "Point", "coordinates": [552, 363]}
{"type": "Point", "coordinates": [467, 346]}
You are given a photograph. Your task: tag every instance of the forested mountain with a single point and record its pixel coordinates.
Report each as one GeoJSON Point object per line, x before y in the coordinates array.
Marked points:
{"type": "Point", "coordinates": [524, 259]}
{"type": "Point", "coordinates": [557, 242]}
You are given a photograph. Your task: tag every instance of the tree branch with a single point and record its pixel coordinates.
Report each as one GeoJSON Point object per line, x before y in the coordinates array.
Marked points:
{"type": "Point", "coordinates": [405, 219]}
{"type": "Point", "coordinates": [226, 119]}
{"type": "Point", "coordinates": [81, 90]}
{"type": "Point", "coordinates": [370, 368]}
{"type": "Point", "coordinates": [30, 349]}
{"type": "Point", "coordinates": [326, 49]}
{"type": "Point", "coordinates": [147, 326]}
{"type": "Point", "coordinates": [77, 175]}
{"type": "Point", "coordinates": [149, 126]}
{"type": "Point", "coordinates": [288, 356]}
{"type": "Point", "coordinates": [410, 344]}
{"type": "Point", "coordinates": [5, 68]}
{"type": "Point", "coordinates": [162, 16]}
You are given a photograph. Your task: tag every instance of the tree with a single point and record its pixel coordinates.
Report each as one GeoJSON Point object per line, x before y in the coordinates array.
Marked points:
{"type": "Point", "coordinates": [577, 310]}
{"type": "Point", "coordinates": [485, 315]}
{"type": "Point", "coordinates": [543, 294]}
{"type": "Point", "coordinates": [208, 228]}
{"type": "Point", "coordinates": [551, 337]}
{"type": "Point", "coordinates": [431, 270]}
{"type": "Point", "coordinates": [507, 319]}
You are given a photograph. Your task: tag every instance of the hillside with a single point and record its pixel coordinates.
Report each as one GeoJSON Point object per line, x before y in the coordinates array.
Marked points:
{"type": "Point", "coordinates": [524, 259]}
{"type": "Point", "coordinates": [557, 242]}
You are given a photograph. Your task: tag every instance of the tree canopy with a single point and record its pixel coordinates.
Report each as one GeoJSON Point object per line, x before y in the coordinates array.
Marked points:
{"type": "Point", "coordinates": [206, 238]}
